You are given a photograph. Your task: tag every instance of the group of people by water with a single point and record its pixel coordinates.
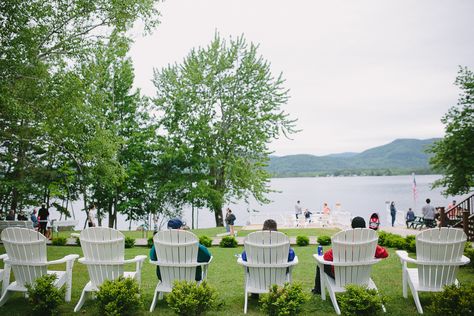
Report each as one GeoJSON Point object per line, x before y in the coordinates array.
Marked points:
{"type": "Point", "coordinates": [307, 213]}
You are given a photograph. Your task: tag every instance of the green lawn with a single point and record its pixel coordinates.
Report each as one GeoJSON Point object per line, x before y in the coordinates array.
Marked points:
{"type": "Point", "coordinates": [227, 277]}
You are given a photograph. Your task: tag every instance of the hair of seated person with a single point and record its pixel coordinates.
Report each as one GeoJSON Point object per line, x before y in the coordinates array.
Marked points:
{"type": "Point", "coordinates": [270, 224]}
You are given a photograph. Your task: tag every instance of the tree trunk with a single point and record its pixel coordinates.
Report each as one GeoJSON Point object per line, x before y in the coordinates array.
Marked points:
{"type": "Point", "coordinates": [219, 217]}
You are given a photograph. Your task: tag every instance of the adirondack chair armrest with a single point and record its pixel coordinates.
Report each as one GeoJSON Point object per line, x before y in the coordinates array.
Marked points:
{"type": "Point", "coordinates": [183, 265]}
{"type": "Point", "coordinates": [4, 256]}
{"type": "Point", "coordinates": [320, 260]}
{"type": "Point", "coordinates": [140, 258]}
{"type": "Point", "coordinates": [403, 255]}
{"type": "Point", "coordinates": [262, 265]}
{"type": "Point", "coordinates": [68, 258]}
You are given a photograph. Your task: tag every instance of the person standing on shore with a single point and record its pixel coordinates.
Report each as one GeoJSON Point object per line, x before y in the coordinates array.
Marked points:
{"type": "Point", "coordinates": [410, 217]}
{"type": "Point", "coordinates": [298, 209]}
{"type": "Point", "coordinates": [229, 220]}
{"type": "Point", "coordinates": [91, 213]}
{"type": "Point", "coordinates": [393, 212]}
{"type": "Point", "coordinates": [428, 214]}
{"type": "Point", "coordinates": [43, 215]}
{"type": "Point", "coordinates": [326, 209]}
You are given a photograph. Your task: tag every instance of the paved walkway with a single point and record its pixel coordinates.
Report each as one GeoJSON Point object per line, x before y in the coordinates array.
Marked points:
{"type": "Point", "coordinates": [399, 230]}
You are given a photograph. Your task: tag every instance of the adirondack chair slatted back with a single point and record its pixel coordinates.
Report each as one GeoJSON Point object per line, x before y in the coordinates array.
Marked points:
{"type": "Point", "coordinates": [25, 246]}
{"type": "Point", "coordinates": [173, 248]}
{"type": "Point", "coordinates": [267, 248]}
{"type": "Point", "coordinates": [353, 245]}
{"type": "Point", "coordinates": [103, 246]}
{"type": "Point", "coordinates": [439, 245]}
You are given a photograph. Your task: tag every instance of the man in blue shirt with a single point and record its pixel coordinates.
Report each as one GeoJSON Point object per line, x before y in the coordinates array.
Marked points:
{"type": "Point", "coordinates": [203, 253]}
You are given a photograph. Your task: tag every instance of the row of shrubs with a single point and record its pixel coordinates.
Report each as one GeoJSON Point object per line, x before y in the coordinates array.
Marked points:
{"type": "Point", "coordinates": [123, 297]}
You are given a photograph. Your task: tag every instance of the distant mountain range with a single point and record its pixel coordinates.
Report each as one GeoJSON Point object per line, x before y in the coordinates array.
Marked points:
{"type": "Point", "coordinates": [402, 156]}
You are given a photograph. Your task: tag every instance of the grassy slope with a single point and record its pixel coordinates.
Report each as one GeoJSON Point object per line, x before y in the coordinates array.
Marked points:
{"type": "Point", "coordinates": [227, 277]}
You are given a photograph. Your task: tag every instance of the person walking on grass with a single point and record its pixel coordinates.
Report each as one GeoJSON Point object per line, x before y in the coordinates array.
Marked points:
{"type": "Point", "coordinates": [393, 212]}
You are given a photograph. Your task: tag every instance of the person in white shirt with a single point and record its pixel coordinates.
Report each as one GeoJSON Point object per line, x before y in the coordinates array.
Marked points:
{"type": "Point", "coordinates": [428, 214]}
{"type": "Point", "coordinates": [298, 209]}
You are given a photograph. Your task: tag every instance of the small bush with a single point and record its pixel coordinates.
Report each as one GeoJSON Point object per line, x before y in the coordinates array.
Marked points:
{"type": "Point", "coordinates": [302, 241]}
{"type": "Point", "coordinates": [189, 298]}
{"type": "Point", "coordinates": [59, 241]}
{"type": "Point", "coordinates": [228, 242]}
{"type": "Point", "coordinates": [78, 241]}
{"type": "Point", "coordinates": [454, 300]}
{"type": "Point", "coordinates": [205, 241]}
{"type": "Point", "coordinates": [410, 243]}
{"type": "Point", "coordinates": [324, 240]}
{"type": "Point", "coordinates": [382, 238]}
{"type": "Point", "coordinates": [358, 300]}
{"type": "Point", "coordinates": [119, 297]}
{"type": "Point", "coordinates": [43, 296]}
{"type": "Point", "coordinates": [286, 300]}
{"type": "Point", "coordinates": [470, 254]}
{"type": "Point", "coordinates": [129, 242]}
{"type": "Point", "coordinates": [149, 242]}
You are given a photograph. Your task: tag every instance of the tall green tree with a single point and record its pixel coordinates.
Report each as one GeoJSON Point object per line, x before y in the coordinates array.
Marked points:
{"type": "Point", "coordinates": [220, 109]}
{"type": "Point", "coordinates": [454, 154]}
{"type": "Point", "coordinates": [40, 41]}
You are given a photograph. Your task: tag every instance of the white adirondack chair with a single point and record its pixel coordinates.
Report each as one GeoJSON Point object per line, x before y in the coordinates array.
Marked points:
{"type": "Point", "coordinates": [4, 274]}
{"type": "Point", "coordinates": [353, 254]}
{"type": "Point", "coordinates": [26, 256]}
{"type": "Point", "coordinates": [267, 262]}
{"type": "Point", "coordinates": [439, 253]}
{"type": "Point", "coordinates": [177, 252]}
{"type": "Point", "coordinates": [103, 250]}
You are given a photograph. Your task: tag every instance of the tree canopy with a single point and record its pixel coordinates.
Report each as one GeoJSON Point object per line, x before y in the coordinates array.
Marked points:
{"type": "Point", "coordinates": [220, 109]}
{"type": "Point", "coordinates": [454, 154]}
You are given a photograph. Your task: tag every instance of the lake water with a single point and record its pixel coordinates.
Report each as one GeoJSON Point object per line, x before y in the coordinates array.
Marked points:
{"type": "Point", "coordinates": [361, 196]}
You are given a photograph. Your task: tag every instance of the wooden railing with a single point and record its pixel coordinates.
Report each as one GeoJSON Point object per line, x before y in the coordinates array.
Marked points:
{"type": "Point", "coordinates": [461, 215]}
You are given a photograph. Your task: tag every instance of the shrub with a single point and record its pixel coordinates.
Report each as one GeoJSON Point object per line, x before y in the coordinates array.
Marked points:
{"type": "Point", "coordinates": [470, 254]}
{"type": "Point", "coordinates": [410, 243]}
{"type": "Point", "coordinates": [149, 242]}
{"type": "Point", "coordinates": [43, 296]}
{"type": "Point", "coordinates": [59, 241]}
{"type": "Point", "coordinates": [454, 300]}
{"type": "Point", "coordinates": [119, 297]}
{"type": "Point", "coordinates": [382, 238]}
{"type": "Point", "coordinates": [324, 240]}
{"type": "Point", "coordinates": [129, 242]}
{"type": "Point", "coordinates": [302, 241]}
{"type": "Point", "coordinates": [359, 300]}
{"type": "Point", "coordinates": [205, 241]}
{"type": "Point", "coordinates": [228, 242]}
{"type": "Point", "coordinates": [286, 300]}
{"type": "Point", "coordinates": [78, 241]}
{"type": "Point", "coordinates": [189, 298]}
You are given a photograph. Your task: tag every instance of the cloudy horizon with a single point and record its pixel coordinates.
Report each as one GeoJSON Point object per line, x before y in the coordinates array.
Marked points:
{"type": "Point", "coordinates": [361, 74]}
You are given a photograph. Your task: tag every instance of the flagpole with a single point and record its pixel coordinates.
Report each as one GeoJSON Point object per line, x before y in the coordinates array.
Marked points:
{"type": "Point", "coordinates": [414, 193]}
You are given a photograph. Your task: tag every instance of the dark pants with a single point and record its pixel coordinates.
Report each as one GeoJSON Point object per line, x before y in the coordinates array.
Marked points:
{"type": "Point", "coordinates": [317, 279]}
{"type": "Point", "coordinates": [393, 218]}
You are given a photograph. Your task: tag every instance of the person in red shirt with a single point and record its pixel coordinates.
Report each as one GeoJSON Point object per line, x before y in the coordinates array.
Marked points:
{"type": "Point", "coordinates": [380, 252]}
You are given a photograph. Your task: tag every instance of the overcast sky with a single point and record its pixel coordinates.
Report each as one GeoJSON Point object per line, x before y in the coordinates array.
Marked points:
{"type": "Point", "coordinates": [360, 73]}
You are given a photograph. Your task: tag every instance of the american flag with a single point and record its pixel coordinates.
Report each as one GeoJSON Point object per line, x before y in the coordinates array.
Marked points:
{"type": "Point", "coordinates": [414, 187]}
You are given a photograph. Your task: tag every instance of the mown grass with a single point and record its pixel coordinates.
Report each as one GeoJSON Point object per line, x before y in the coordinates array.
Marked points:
{"type": "Point", "coordinates": [228, 278]}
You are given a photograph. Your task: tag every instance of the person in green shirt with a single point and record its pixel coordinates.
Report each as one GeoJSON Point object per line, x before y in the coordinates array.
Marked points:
{"type": "Point", "coordinates": [203, 253]}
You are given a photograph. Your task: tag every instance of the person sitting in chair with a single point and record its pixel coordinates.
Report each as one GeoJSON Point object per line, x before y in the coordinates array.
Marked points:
{"type": "Point", "coordinates": [203, 253]}
{"type": "Point", "coordinates": [271, 225]}
{"type": "Point", "coordinates": [380, 252]}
